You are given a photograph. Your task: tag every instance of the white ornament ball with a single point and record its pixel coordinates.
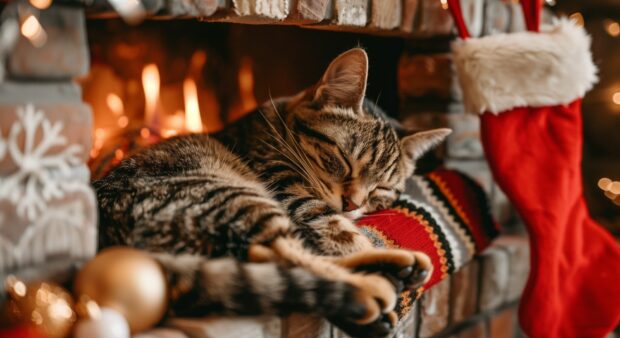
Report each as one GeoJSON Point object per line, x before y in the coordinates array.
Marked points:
{"type": "Point", "coordinates": [110, 324]}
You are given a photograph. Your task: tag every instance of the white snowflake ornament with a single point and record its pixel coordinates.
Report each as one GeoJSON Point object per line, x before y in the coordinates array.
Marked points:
{"type": "Point", "coordinates": [40, 172]}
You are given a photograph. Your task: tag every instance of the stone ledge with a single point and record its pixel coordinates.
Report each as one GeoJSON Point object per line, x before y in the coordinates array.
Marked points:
{"type": "Point", "coordinates": [63, 54]}
{"type": "Point", "coordinates": [478, 301]}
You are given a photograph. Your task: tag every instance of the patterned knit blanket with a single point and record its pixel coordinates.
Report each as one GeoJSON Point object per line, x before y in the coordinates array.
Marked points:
{"type": "Point", "coordinates": [444, 214]}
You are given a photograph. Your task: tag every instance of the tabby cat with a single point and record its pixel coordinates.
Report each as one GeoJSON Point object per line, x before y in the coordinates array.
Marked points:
{"type": "Point", "coordinates": [270, 201]}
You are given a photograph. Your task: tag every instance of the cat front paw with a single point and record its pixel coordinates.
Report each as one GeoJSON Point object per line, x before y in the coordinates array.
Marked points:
{"type": "Point", "coordinates": [407, 270]}
{"type": "Point", "coordinates": [376, 293]}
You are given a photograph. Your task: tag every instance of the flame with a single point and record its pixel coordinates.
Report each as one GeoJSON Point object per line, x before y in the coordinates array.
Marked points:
{"type": "Point", "coordinates": [32, 30]}
{"type": "Point", "coordinates": [101, 136]}
{"type": "Point", "coordinates": [41, 4]}
{"type": "Point", "coordinates": [115, 104]}
{"type": "Point", "coordinates": [150, 83]}
{"type": "Point", "coordinates": [246, 85]}
{"type": "Point", "coordinates": [193, 122]}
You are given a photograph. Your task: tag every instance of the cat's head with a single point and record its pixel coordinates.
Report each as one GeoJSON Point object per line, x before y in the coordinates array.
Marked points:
{"type": "Point", "coordinates": [356, 159]}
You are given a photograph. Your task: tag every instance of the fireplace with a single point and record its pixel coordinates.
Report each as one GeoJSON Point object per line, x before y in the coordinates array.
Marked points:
{"type": "Point", "coordinates": [109, 83]}
{"type": "Point", "coordinates": [165, 78]}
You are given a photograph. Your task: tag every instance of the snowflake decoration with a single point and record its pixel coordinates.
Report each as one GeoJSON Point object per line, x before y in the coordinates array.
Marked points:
{"type": "Point", "coordinates": [38, 177]}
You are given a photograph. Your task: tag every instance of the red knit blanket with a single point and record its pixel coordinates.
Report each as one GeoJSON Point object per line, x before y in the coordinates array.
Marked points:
{"type": "Point", "coordinates": [445, 214]}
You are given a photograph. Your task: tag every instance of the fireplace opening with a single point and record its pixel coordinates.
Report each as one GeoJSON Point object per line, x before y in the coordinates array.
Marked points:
{"type": "Point", "coordinates": [165, 78]}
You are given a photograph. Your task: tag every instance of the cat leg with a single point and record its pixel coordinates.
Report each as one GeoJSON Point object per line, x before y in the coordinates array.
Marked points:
{"type": "Point", "coordinates": [377, 289]}
{"type": "Point", "coordinates": [271, 244]}
{"type": "Point", "coordinates": [340, 237]}
{"type": "Point", "coordinates": [225, 286]}
{"type": "Point", "coordinates": [416, 272]}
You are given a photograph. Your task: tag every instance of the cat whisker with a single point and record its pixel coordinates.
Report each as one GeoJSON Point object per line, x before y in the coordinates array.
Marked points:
{"type": "Point", "coordinates": [297, 147]}
{"type": "Point", "coordinates": [294, 151]}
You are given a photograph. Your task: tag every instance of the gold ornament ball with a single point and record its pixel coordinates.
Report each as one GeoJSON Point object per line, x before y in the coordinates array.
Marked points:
{"type": "Point", "coordinates": [129, 281]}
{"type": "Point", "coordinates": [44, 306]}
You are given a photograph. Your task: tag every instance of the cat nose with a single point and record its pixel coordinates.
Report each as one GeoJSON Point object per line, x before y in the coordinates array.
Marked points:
{"type": "Point", "coordinates": [348, 204]}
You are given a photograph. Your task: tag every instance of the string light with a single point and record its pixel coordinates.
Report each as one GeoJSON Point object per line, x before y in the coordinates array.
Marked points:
{"type": "Point", "coordinates": [444, 4]}
{"type": "Point", "coordinates": [611, 189]}
{"type": "Point", "coordinates": [32, 30]}
{"type": "Point", "coordinates": [616, 98]}
{"type": "Point", "coordinates": [41, 4]}
{"type": "Point", "coordinates": [612, 27]}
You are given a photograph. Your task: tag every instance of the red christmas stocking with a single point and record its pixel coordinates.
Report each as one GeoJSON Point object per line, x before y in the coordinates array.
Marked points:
{"type": "Point", "coordinates": [528, 85]}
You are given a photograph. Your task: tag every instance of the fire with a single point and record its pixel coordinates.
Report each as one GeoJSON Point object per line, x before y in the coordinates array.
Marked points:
{"type": "Point", "coordinates": [246, 85]}
{"type": "Point", "coordinates": [115, 104]}
{"type": "Point", "coordinates": [247, 101]}
{"type": "Point", "coordinates": [150, 83]}
{"type": "Point", "coordinates": [193, 121]}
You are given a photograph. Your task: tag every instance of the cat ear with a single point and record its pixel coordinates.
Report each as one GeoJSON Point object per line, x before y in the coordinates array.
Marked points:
{"type": "Point", "coordinates": [344, 81]}
{"type": "Point", "coordinates": [416, 145]}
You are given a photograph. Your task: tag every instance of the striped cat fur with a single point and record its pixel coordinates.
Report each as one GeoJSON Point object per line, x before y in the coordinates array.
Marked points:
{"type": "Point", "coordinates": [259, 218]}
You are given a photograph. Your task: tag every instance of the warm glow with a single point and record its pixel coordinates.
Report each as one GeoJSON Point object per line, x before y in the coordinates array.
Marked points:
{"type": "Point", "coordinates": [32, 30]}
{"type": "Point", "coordinates": [145, 133]}
{"type": "Point", "coordinates": [246, 85]}
{"type": "Point", "coordinates": [444, 4]}
{"type": "Point", "coordinates": [41, 4]}
{"type": "Point", "coordinates": [612, 28]}
{"type": "Point", "coordinates": [577, 18]}
{"type": "Point", "coordinates": [193, 122]}
{"type": "Point", "coordinates": [198, 60]}
{"type": "Point", "coordinates": [604, 183]}
{"type": "Point", "coordinates": [150, 83]}
{"type": "Point", "coordinates": [611, 189]}
{"type": "Point", "coordinates": [123, 121]}
{"type": "Point", "coordinates": [60, 309]}
{"type": "Point", "coordinates": [167, 133]}
{"type": "Point", "coordinates": [616, 98]}
{"type": "Point", "coordinates": [93, 311]}
{"type": "Point", "coordinates": [119, 154]}
{"type": "Point", "coordinates": [100, 137]}
{"type": "Point", "coordinates": [115, 104]}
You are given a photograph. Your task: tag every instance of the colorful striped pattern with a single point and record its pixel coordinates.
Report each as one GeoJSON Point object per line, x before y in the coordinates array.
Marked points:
{"type": "Point", "coordinates": [445, 214]}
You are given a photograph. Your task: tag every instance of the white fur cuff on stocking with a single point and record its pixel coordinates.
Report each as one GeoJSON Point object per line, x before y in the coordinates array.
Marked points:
{"type": "Point", "coordinates": [500, 72]}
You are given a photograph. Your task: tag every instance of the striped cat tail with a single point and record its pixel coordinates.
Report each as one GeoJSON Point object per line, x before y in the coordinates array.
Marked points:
{"type": "Point", "coordinates": [225, 286]}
